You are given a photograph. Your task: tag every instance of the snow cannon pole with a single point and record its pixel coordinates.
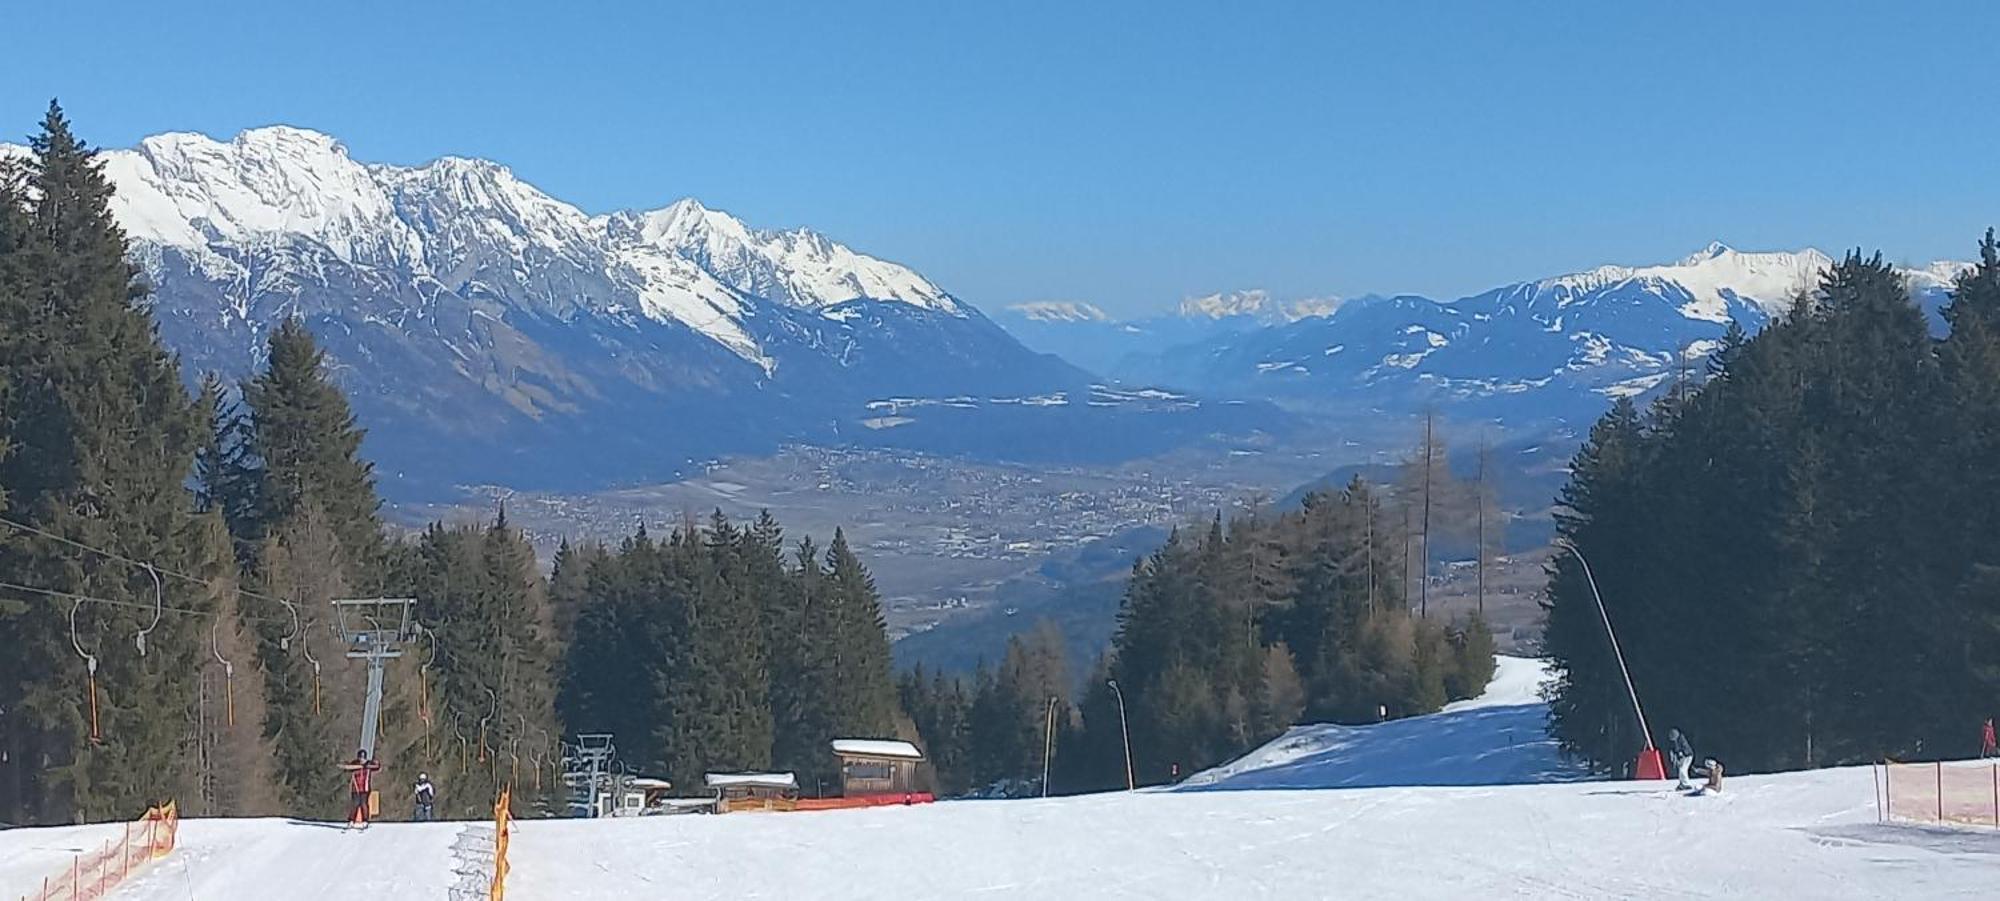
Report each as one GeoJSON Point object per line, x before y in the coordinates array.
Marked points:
{"type": "Point", "coordinates": [1649, 765]}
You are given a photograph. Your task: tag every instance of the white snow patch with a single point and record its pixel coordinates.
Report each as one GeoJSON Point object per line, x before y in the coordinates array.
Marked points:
{"type": "Point", "coordinates": [1635, 386]}
{"type": "Point", "coordinates": [877, 747]}
{"type": "Point", "coordinates": [1059, 311]}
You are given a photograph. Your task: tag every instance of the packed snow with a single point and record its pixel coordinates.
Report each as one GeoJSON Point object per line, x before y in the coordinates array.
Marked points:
{"type": "Point", "coordinates": [1472, 801]}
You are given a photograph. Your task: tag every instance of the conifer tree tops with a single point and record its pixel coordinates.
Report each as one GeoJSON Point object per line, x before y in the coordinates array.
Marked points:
{"type": "Point", "coordinates": [1777, 549]}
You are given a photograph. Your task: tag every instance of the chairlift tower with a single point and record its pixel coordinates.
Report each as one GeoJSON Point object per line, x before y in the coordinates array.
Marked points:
{"type": "Point", "coordinates": [593, 752]}
{"type": "Point", "coordinates": [375, 630]}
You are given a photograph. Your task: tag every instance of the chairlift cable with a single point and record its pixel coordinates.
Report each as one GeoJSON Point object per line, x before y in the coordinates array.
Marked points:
{"type": "Point", "coordinates": [113, 602]}
{"type": "Point", "coordinates": [114, 555]}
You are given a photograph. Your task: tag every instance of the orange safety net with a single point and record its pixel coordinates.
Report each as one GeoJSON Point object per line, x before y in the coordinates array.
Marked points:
{"type": "Point", "coordinates": [1965, 792]}
{"type": "Point", "coordinates": [503, 825]}
{"type": "Point", "coordinates": [93, 874]}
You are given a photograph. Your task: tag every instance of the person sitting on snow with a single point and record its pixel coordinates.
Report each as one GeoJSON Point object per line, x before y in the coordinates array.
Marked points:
{"type": "Point", "coordinates": [426, 795]}
{"type": "Point", "coordinates": [1714, 785]}
{"type": "Point", "coordinates": [1682, 755]}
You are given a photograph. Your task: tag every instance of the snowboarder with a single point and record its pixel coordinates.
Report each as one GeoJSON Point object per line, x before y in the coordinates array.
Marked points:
{"type": "Point", "coordinates": [360, 770]}
{"type": "Point", "coordinates": [426, 795]}
{"type": "Point", "coordinates": [1987, 746]}
{"type": "Point", "coordinates": [1714, 784]}
{"type": "Point", "coordinates": [1683, 755]}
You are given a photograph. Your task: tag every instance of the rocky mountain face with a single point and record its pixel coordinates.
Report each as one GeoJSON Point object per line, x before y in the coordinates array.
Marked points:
{"type": "Point", "coordinates": [489, 332]}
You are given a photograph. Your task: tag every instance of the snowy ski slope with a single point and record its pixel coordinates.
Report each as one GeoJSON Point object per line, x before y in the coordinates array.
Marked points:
{"type": "Point", "coordinates": [1498, 738]}
{"type": "Point", "coordinates": [1260, 828]}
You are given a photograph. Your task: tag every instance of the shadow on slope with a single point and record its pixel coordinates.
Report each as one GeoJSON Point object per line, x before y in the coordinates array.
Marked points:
{"type": "Point", "coordinates": [1499, 738]}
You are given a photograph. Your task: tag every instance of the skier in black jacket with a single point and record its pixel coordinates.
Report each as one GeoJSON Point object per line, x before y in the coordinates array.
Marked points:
{"type": "Point", "coordinates": [426, 795]}
{"type": "Point", "coordinates": [1677, 746]}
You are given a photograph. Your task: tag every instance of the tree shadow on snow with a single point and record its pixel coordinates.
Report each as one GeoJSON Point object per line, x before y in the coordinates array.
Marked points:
{"type": "Point", "coordinates": [1487, 746]}
{"type": "Point", "coordinates": [1942, 839]}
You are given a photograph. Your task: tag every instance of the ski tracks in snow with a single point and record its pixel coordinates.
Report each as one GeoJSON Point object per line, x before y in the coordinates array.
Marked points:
{"type": "Point", "coordinates": [472, 862]}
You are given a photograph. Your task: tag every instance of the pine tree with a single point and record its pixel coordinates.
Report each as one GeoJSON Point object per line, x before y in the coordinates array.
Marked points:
{"type": "Point", "coordinates": [803, 669]}
{"type": "Point", "coordinates": [103, 435]}
{"type": "Point", "coordinates": [1281, 697]}
{"type": "Point", "coordinates": [305, 438]}
{"type": "Point", "coordinates": [233, 756]}
{"type": "Point", "coordinates": [867, 696]}
{"type": "Point", "coordinates": [1589, 707]}
{"type": "Point", "coordinates": [225, 478]}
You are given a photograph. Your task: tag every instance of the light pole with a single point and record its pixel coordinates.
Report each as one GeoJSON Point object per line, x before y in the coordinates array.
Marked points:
{"type": "Point", "coordinates": [1124, 731]}
{"type": "Point", "coordinates": [1605, 615]}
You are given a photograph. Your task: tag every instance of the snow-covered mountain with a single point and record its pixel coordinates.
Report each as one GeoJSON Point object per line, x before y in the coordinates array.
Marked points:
{"type": "Point", "coordinates": [1085, 335]}
{"type": "Point", "coordinates": [488, 331]}
{"type": "Point", "coordinates": [1256, 304]}
{"type": "Point", "coordinates": [1552, 348]}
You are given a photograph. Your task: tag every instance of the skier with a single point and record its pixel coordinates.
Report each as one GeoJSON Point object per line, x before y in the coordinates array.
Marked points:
{"type": "Point", "coordinates": [1683, 756]}
{"type": "Point", "coordinates": [1987, 746]}
{"type": "Point", "coordinates": [360, 769]}
{"type": "Point", "coordinates": [426, 795]}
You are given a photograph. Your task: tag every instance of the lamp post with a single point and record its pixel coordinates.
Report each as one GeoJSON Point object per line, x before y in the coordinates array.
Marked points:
{"type": "Point", "coordinates": [1647, 733]}
{"type": "Point", "coordinates": [1124, 731]}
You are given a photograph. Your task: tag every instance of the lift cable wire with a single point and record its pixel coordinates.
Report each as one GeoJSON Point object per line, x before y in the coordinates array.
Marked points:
{"type": "Point", "coordinates": [136, 605]}
{"type": "Point", "coordinates": [157, 571]}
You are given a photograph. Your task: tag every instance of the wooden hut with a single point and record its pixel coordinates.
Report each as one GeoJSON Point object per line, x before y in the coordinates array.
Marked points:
{"type": "Point", "coordinates": [737, 792]}
{"type": "Point", "coordinates": [872, 767]}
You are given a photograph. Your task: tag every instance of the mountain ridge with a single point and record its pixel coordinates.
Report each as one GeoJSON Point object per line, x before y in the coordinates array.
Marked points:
{"type": "Point", "coordinates": [1547, 348]}
{"type": "Point", "coordinates": [488, 331]}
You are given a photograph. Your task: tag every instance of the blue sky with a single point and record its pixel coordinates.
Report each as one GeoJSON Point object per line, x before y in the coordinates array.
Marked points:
{"type": "Point", "coordinates": [1124, 154]}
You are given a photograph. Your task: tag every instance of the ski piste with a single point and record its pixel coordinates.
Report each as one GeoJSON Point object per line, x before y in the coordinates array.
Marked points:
{"type": "Point", "coordinates": [1463, 801]}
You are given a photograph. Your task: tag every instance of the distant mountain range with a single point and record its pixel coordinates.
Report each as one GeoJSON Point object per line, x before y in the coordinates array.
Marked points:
{"type": "Point", "coordinates": [1549, 350]}
{"type": "Point", "coordinates": [487, 331]}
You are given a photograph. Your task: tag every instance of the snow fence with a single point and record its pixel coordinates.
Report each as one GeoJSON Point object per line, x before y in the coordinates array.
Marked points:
{"type": "Point", "coordinates": [93, 874]}
{"type": "Point", "coordinates": [503, 825]}
{"type": "Point", "coordinates": [1965, 792]}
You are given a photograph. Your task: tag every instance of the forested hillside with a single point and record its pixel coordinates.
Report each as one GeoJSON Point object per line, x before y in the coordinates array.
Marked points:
{"type": "Point", "coordinates": [1227, 636]}
{"type": "Point", "coordinates": [1798, 555]}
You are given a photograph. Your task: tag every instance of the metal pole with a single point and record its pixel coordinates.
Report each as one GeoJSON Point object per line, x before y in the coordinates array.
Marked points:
{"type": "Point", "coordinates": [1125, 731]}
{"type": "Point", "coordinates": [1048, 744]}
{"type": "Point", "coordinates": [1606, 615]}
{"type": "Point", "coordinates": [371, 712]}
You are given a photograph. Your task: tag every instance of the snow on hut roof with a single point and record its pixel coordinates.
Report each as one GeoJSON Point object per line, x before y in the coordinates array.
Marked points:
{"type": "Point", "coordinates": [764, 780]}
{"type": "Point", "coordinates": [649, 782]}
{"type": "Point", "coordinates": [873, 747]}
